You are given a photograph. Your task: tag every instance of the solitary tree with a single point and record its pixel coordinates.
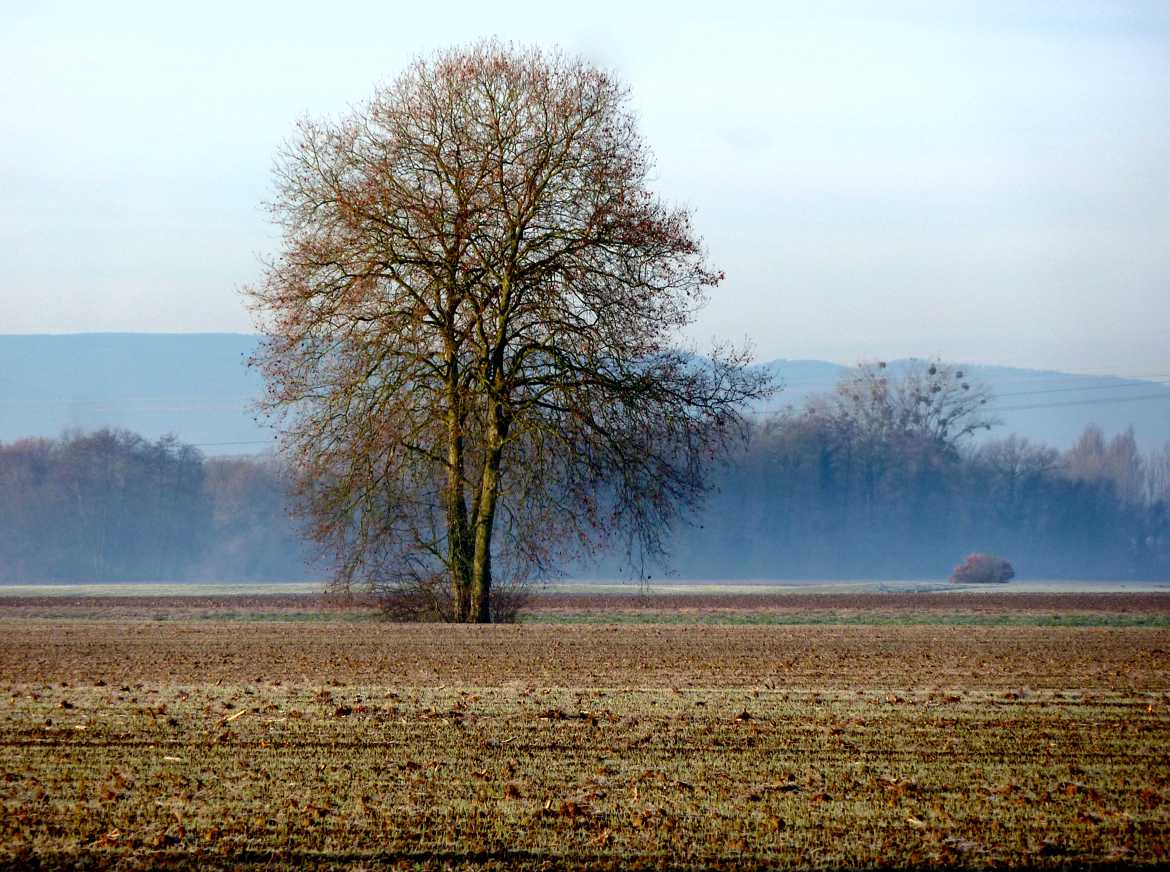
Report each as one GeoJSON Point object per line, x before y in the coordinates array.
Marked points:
{"type": "Point", "coordinates": [471, 328]}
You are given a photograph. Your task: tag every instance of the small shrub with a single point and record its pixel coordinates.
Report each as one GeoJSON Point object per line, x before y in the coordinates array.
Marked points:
{"type": "Point", "coordinates": [983, 569]}
{"type": "Point", "coordinates": [417, 599]}
{"type": "Point", "coordinates": [509, 599]}
{"type": "Point", "coordinates": [430, 600]}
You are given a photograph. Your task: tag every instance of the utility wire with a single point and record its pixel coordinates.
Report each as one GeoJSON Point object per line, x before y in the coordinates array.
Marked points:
{"type": "Point", "coordinates": [1100, 401]}
{"type": "Point", "coordinates": [1039, 378]}
{"type": "Point", "coordinates": [242, 442]}
{"type": "Point", "coordinates": [1101, 387]}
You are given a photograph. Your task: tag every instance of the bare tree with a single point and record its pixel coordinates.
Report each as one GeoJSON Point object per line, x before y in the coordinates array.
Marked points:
{"type": "Point", "coordinates": [1117, 461]}
{"type": "Point", "coordinates": [1157, 487]}
{"type": "Point", "coordinates": [471, 327]}
{"type": "Point", "coordinates": [929, 400]}
{"type": "Point", "coordinates": [1016, 461]}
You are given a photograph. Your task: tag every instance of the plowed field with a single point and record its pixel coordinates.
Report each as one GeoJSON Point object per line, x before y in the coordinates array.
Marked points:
{"type": "Point", "coordinates": [196, 742]}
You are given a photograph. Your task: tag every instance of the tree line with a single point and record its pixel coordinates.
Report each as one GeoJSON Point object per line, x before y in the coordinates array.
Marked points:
{"type": "Point", "coordinates": [113, 506]}
{"type": "Point", "coordinates": [809, 495]}
{"type": "Point", "coordinates": [880, 479]}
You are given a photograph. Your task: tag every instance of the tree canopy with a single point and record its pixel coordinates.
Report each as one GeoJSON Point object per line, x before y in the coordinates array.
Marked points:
{"type": "Point", "coordinates": [930, 402]}
{"type": "Point", "coordinates": [473, 326]}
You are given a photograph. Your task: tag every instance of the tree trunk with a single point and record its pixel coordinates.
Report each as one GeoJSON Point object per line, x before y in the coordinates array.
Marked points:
{"type": "Point", "coordinates": [458, 535]}
{"type": "Point", "coordinates": [485, 518]}
{"type": "Point", "coordinates": [481, 567]}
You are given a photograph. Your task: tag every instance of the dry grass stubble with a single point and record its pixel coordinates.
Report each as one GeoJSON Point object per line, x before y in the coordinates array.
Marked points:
{"type": "Point", "coordinates": [340, 745]}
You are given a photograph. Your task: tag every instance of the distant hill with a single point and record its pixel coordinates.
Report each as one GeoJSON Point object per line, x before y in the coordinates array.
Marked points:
{"type": "Point", "coordinates": [197, 386]}
{"type": "Point", "coordinates": [1042, 405]}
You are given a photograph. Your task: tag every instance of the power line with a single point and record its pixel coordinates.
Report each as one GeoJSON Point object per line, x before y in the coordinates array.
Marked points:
{"type": "Point", "coordinates": [1100, 401]}
{"type": "Point", "coordinates": [1101, 387]}
{"type": "Point", "coordinates": [995, 397]}
{"type": "Point", "coordinates": [242, 442]}
{"type": "Point", "coordinates": [1155, 377]}
{"type": "Point", "coordinates": [1118, 383]}
{"type": "Point", "coordinates": [972, 370]}
{"type": "Point", "coordinates": [196, 402]}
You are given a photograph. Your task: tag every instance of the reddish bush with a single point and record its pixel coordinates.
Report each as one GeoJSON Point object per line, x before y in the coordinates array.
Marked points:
{"type": "Point", "coordinates": [983, 569]}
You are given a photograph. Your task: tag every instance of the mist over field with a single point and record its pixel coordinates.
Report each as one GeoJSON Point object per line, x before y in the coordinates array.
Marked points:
{"type": "Point", "coordinates": [794, 502]}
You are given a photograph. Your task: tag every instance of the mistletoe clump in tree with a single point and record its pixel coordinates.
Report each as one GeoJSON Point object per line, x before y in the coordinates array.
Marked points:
{"type": "Point", "coordinates": [471, 329]}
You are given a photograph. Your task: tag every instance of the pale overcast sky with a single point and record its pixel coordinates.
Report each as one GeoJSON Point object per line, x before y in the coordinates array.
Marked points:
{"type": "Point", "coordinates": [986, 181]}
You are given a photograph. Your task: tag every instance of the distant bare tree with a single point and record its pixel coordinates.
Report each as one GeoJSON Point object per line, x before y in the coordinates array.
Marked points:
{"type": "Point", "coordinates": [1158, 476]}
{"type": "Point", "coordinates": [1116, 461]}
{"type": "Point", "coordinates": [931, 400]}
{"type": "Point", "coordinates": [1012, 472]}
{"type": "Point", "coordinates": [472, 325]}
{"type": "Point", "coordinates": [1016, 461]}
{"type": "Point", "coordinates": [252, 535]}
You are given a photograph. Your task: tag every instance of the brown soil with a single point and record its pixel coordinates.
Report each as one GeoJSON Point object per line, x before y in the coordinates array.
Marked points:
{"type": "Point", "coordinates": [594, 655]}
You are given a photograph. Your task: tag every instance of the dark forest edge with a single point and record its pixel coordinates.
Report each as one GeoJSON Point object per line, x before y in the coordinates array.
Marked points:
{"type": "Point", "coordinates": [802, 499]}
{"type": "Point", "coordinates": [801, 502]}
{"type": "Point", "coordinates": [113, 506]}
